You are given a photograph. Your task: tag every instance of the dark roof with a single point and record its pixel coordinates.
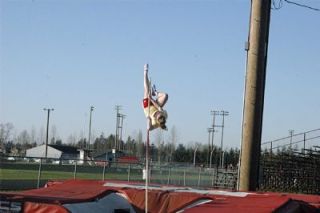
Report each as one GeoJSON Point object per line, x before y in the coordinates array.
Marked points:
{"type": "Point", "coordinates": [65, 149]}
{"type": "Point", "coordinates": [101, 154]}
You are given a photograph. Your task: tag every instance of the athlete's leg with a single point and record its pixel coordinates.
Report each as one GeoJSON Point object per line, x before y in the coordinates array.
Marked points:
{"type": "Point", "coordinates": [162, 98]}
{"type": "Point", "coordinates": [146, 82]}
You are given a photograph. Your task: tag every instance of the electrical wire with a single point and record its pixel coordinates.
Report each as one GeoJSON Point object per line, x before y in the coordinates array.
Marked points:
{"type": "Point", "coordinates": [278, 4]}
{"type": "Point", "coordinates": [302, 5]}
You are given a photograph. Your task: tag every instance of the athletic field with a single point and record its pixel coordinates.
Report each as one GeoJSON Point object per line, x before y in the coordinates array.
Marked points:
{"type": "Point", "coordinates": [24, 175]}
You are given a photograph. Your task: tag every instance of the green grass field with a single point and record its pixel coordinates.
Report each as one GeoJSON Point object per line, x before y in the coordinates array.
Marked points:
{"type": "Point", "coordinates": [17, 176]}
{"type": "Point", "coordinates": [9, 174]}
{"type": "Point", "coordinates": [13, 179]}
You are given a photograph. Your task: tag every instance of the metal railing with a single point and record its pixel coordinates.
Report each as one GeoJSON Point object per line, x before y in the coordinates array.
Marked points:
{"type": "Point", "coordinates": [299, 141]}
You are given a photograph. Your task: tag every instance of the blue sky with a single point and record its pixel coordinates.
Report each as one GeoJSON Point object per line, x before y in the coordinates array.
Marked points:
{"type": "Point", "coordinates": [69, 55]}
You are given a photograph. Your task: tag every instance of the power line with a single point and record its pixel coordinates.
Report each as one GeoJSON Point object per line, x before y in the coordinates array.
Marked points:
{"type": "Point", "coordinates": [277, 5]}
{"type": "Point", "coordinates": [302, 5]}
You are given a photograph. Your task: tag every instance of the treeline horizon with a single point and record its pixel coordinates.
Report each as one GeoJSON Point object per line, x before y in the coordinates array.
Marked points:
{"type": "Point", "coordinates": [161, 150]}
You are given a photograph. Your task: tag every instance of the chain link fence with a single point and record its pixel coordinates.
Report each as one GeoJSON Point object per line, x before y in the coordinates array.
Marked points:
{"type": "Point", "coordinates": [26, 173]}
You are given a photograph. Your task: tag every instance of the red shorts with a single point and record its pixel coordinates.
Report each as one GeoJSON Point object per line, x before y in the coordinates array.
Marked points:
{"type": "Point", "coordinates": [145, 102]}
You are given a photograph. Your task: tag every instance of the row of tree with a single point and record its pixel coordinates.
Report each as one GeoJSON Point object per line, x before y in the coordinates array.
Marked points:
{"type": "Point", "coordinates": [161, 150]}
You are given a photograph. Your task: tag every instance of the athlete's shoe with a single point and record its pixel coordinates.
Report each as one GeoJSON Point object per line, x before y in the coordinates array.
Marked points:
{"type": "Point", "coordinates": [154, 90]}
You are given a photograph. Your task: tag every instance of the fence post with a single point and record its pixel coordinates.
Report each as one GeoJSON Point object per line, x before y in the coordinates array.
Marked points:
{"type": "Point", "coordinates": [150, 172]}
{"type": "Point", "coordinates": [129, 172]}
{"type": "Point", "coordinates": [39, 173]}
{"type": "Point", "coordinates": [235, 180]}
{"type": "Point", "coordinates": [225, 173]}
{"type": "Point", "coordinates": [159, 178]}
{"type": "Point", "coordinates": [184, 177]}
{"type": "Point", "coordinates": [304, 143]}
{"type": "Point", "coordinates": [199, 177]}
{"type": "Point", "coordinates": [212, 182]}
{"type": "Point", "coordinates": [169, 174]}
{"type": "Point", "coordinates": [217, 176]}
{"type": "Point", "coordinates": [75, 170]}
{"type": "Point", "coordinates": [104, 170]}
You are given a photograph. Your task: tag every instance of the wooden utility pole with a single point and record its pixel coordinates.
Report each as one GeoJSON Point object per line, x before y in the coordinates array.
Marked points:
{"type": "Point", "coordinates": [47, 134]}
{"type": "Point", "coordinates": [116, 139]}
{"type": "Point", "coordinates": [257, 48]}
{"type": "Point", "coordinates": [223, 114]}
{"type": "Point", "coordinates": [122, 116]}
{"type": "Point", "coordinates": [89, 137]}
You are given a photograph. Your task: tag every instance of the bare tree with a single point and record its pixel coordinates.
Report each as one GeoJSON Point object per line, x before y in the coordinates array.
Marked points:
{"type": "Point", "coordinates": [173, 139]}
{"type": "Point", "coordinates": [41, 138]}
{"type": "Point", "coordinates": [53, 134]}
{"type": "Point", "coordinates": [23, 137]}
{"type": "Point", "coordinates": [33, 135]}
{"type": "Point", "coordinates": [72, 139]}
{"type": "Point", "coordinates": [140, 144]}
{"type": "Point", "coordinates": [24, 141]}
{"type": "Point", "coordinates": [5, 132]}
{"type": "Point", "coordinates": [158, 140]}
{"type": "Point", "coordinates": [196, 146]}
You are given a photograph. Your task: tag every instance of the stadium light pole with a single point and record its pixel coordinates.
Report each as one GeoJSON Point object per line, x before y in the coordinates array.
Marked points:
{"type": "Point", "coordinates": [89, 137]}
{"type": "Point", "coordinates": [223, 113]}
{"type": "Point", "coordinates": [122, 116]}
{"type": "Point", "coordinates": [116, 139]}
{"type": "Point", "coordinates": [47, 135]}
{"type": "Point", "coordinates": [211, 153]}
{"type": "Point", "coordinates": [213, 113]}
{"type": "Point", "coordinates": [209, 149]}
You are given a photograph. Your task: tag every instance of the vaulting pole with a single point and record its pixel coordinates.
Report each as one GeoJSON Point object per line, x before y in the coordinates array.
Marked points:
{"type": "Point", "coordinates": [146, 66]}
{"type": "Point", "coordinates": [147, 172]}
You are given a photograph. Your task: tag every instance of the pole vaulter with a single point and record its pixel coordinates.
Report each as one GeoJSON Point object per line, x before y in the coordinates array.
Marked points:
{"type": "Point", "coordinates": [153, 103]}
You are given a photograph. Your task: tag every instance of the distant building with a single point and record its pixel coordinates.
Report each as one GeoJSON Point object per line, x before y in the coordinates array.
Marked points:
{"type": "Point", "coordinates": [108, 156]}
{"type": "Point", "coordinates": [129, 159]}
{"type": "Point", "coordinates": [59, 152]}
